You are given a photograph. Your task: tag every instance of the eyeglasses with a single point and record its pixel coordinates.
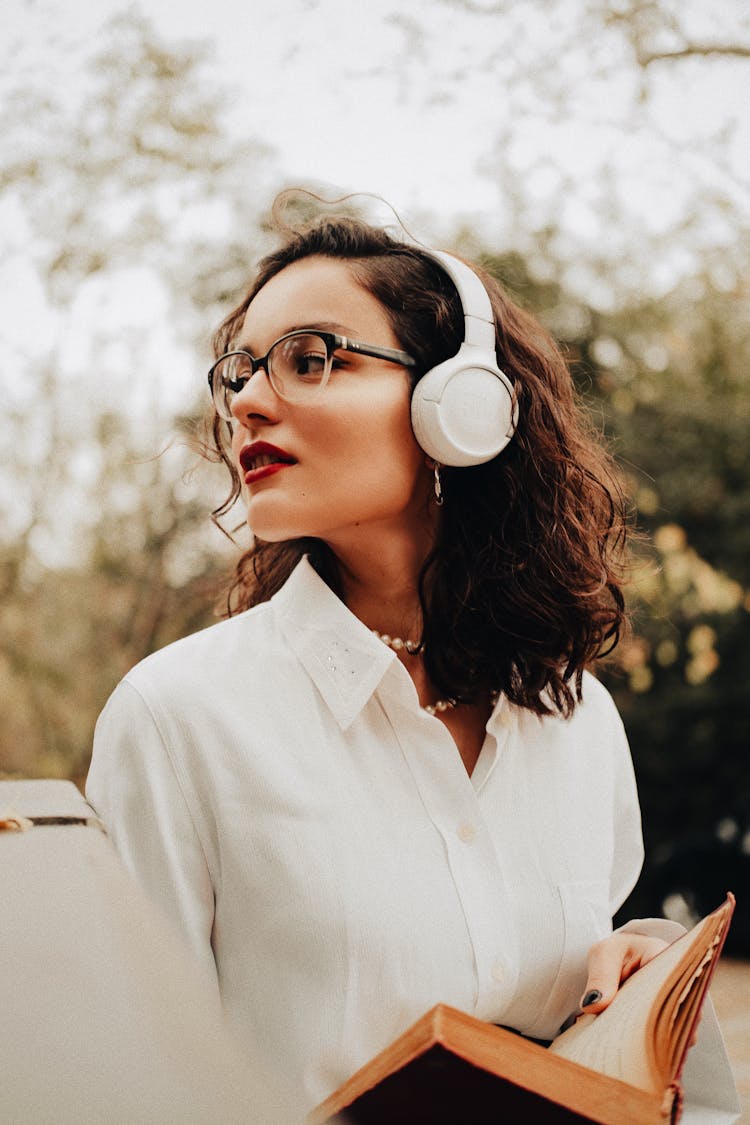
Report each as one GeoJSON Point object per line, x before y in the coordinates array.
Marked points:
{"type": "Point", "coordinates": [298, 366]}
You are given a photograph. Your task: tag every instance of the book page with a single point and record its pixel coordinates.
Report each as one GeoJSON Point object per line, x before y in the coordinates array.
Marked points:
{"type": "Point", "coordinates": [643, 1036]}
{"type": "Point", "coordinates": [616, 1041]}
{"type": "Point", "coordinates": [675, 1021]}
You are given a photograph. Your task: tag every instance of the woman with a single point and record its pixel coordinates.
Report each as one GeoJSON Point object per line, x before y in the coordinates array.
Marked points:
{"type": "Point", "coordinates": [388, 780]}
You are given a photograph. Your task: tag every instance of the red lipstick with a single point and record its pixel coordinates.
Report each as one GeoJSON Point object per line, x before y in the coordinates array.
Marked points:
{"type": "Point", "coordinates": [260, 459]}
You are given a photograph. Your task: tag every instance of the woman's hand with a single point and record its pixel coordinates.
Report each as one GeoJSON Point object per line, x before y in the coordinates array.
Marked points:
{"type": "Point", "coordinates": [611, 962]}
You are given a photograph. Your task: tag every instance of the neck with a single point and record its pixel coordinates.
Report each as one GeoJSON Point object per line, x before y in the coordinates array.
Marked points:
{"type": "Point", "coordinates": [380, 583]}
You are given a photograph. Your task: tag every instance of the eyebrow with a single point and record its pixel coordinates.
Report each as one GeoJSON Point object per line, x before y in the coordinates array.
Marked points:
{"type": "Point", "coordinates": [316, 326]}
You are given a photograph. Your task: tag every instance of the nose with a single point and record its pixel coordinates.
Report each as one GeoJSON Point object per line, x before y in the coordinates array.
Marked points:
{"type": "Point", "coordinates": [257, 399]}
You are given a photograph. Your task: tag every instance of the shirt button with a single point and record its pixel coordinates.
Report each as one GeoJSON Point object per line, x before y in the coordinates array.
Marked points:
{"type": "Point", "coordinates": [498, 972]}
{"type": "Point", "coordinates": [467, 832]}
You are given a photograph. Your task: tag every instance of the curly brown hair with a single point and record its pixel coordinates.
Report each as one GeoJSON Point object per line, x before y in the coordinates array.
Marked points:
{"type": "Point", "coordinates": [523, 588]}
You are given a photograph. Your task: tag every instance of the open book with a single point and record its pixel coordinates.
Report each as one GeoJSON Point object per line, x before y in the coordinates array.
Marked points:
{"type": "Point", "coordinates": [617, 1068]}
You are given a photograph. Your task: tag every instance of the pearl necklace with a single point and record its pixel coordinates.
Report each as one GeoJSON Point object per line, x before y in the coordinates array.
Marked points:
{"type": "Point", "coordinates": [398, 644]}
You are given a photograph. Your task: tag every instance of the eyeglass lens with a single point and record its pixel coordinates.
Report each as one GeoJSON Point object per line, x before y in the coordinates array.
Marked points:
{"type": "Point", "coordinates": [298, 367]}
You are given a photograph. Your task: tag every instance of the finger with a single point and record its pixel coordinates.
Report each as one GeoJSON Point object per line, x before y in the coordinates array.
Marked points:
{"type": "Point", "coordinates": [605, 967]}
{"type": "Point", "coordinates": [611, 962]}
{"type": "Point", "coordinates": [568, 1023]}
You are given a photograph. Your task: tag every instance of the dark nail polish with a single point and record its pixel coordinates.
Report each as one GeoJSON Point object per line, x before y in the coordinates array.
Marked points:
{"type": "Point", "coordinates": [591, 998]}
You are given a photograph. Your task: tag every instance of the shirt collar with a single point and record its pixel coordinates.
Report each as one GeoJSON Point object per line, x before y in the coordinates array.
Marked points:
{"type": "Point", "coordinates": [342, 657]}
{"type": "Point", "coordinates": [345, 661]}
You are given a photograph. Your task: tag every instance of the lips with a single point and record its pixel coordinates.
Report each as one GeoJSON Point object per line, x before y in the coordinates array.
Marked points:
{"type": "Point", "coordinates": [260, 459]}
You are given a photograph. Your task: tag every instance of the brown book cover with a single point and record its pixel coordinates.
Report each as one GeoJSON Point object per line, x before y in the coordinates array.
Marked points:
{"type": "Point", "coordinates": [616, 1068]}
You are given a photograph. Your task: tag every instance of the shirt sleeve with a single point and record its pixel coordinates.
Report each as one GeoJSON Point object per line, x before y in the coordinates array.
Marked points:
{"type": "Point", "coordinates": [133, 787]}
{"type": "Point", "coordinates": [627, 850]}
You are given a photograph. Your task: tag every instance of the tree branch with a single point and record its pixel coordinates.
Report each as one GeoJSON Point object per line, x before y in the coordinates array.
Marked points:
{"type": "Point", "coordinates": [694, 50]}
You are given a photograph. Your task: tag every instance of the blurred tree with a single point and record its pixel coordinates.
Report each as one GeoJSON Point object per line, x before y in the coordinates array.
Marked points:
{"type": "Point", "coordinates": [619, 133]}
{"type": "Point", "coordinates": [117, 195]}
{"type": "Point", "coordinates": [659, 32]}
{"type": "Point", "coordinates": [683, 420]}
{"type": "Point", "coordinates": [667, 377]}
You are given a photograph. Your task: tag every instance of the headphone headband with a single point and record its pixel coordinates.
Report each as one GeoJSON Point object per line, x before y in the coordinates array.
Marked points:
{"type": "Point", "coordinates": [479, 320]}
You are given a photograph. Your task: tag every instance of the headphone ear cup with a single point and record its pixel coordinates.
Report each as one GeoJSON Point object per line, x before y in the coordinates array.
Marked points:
{"type": "Point", "coordinates": [464, 411]}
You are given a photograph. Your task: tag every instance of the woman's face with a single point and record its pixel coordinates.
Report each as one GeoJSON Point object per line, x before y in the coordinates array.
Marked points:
{"type": "Point", "coordinates": [353, 464]}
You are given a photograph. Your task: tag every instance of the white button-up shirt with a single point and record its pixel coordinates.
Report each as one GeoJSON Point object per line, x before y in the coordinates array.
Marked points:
{"type": "Point", "coordinates": [313, 833]}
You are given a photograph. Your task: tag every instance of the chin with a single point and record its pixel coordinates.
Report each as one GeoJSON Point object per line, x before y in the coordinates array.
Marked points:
{"type": "Point", "coordinates": [268, 523]}
{"type": "Point", "coordinates": [273, 533]}
{"type": "Point", "coordinates": [268, 536]}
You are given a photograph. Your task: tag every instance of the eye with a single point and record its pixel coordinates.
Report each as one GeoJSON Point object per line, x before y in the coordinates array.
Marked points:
{"type": "Point", "coordinates": [236, 373]}
{"type": "Point", "coordinates": [303, 357]}
{"type": "Point", "coordinates": [309, 365]}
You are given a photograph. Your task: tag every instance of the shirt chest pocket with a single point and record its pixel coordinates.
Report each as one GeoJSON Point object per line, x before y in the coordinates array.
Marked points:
{"type": "Point", "coordinates": [578, 917]}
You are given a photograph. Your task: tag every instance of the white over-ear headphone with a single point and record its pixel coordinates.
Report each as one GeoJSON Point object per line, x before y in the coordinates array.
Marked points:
{"type": "Point", "coordinates": [464, 411]}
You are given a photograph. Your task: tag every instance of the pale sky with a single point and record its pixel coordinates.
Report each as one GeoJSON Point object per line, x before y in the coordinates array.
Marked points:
{"type": "Point", "coordinates": [349, 94]}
